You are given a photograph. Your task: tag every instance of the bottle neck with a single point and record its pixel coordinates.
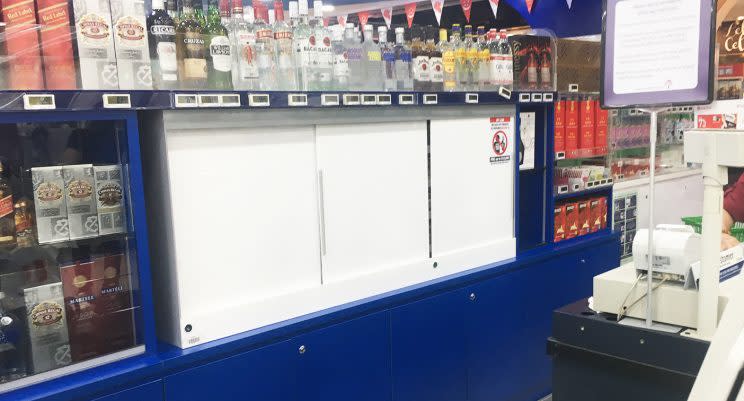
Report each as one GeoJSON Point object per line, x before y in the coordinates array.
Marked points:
{"type": "Point", "coordinates": [237, 12]}
{"type": "Point", "coordinates": [399, 38]}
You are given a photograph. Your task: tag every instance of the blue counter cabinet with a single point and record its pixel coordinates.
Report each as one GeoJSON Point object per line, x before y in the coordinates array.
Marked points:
{"type": "Point", "coordinates": [152, 391]}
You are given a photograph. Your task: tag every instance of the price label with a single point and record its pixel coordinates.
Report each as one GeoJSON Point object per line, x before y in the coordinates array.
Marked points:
{"type": "Point", "coordinates": [39, 102]}
{"type": "Point", "coordinates": [230, 100]}
{"type": "Point", "coordinates": [591, 184]}
{"type": "Point", "coordinates": [209, 100]}
{"type": "Point", "coordinates": [548, 97]}
{"type": "Point", "coordinates": [560, 155]}
{"type": "Point", "coordinates": [117, 101]}
{"type": "Point", "coordinates": [430, 98]}
{"type": "Point", "coordinates": [524, 98]}
{"type": "Point", "coordinates": [407, 99]}
{"type": "Point", "coordinates": [562, 189]}
{"type": "Point", "coordinates": [256, 100]}
{"type": "Point", "coordinates": [384, 100]}
{"type": "Point", "coordinates": [186, 100]}
{"type": "Point", "coordinates": [351, 100]}
{"type": "Point", "coordinates": [369, 100]}
{"type": "Point", "coordinates": [573, 88]}
{"type": "Point", "coordinates": [329, 99]}
{"type": "Point", "coordinates": [603, 182]}
{"type": "Point", "coordinates": [505, 93]}
{"type": "Point", "coordinates": [297, 99]}
{"type": "Point", "coordinates": [537, 97]}
{"type": "Point", "coordinates": [471, 98]}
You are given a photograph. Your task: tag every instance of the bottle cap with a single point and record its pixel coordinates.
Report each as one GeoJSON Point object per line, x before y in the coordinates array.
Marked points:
{"type": "Point", "coordinates": [303, 7]}
{"type": "Point", "coordinates": [400, 29]}
{"type": "Point", "coordinates": [318, 9]}
{"type": "Point", "coordinates": [442, 35]}
{"type": "Point", "coordinates": [349, 25]}
{"type": "Point", "coordinates": [294, 11]}
{"type": "Point", "coordinates": [369, 27]}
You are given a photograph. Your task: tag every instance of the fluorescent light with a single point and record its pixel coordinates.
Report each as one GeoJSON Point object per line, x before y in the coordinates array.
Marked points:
{"type": "Point", "coordinates": [327, 8]}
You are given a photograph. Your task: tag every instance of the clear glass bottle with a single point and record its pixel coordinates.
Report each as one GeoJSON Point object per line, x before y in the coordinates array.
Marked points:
{"type": "Point", "coordinates": [12, 349]}
{"type": "Point", "coordinates": [421, 78]}
{"type": "Point", "coordinates": [449, 77]}
{"type": "Point", "coordinates": [225, 12]}
{"type": "Point", "coordinates": [286, 75]}
{"type": "Point", "coordinates": [388, 60]}
{"type": "Point", "coordinates": [199, 12]}
{"type": "Point", "coordinates": [265, 48]}
{"type": "Point", "coordinates": [323, 51]}
{"type": "Point", "coordinates": [340, 62]}
{"type": "Point", "coordinates": [436, 67]}
{"type": "Point", "coordinates": [372, 59]}
{"type": "Point", "coordinates": [357, 72]}
{"type": "Point", "coordinates": [191, 49]}
{"type": "Point", "coordinates": [461, 61]}
{"type": "Point", "coordinates": [243, 39]}
{"type": "Point", "coordinates": [174, 10]}
{"type": "Point", "coordinates": [403, 62]}
{"type": "Point", "coordinates": [162, 37]}
{"type": "Point", "coordinates": [304, 48]}
{"type": "Point", "coordinates": [484, 56]}
{"type": "Point", "coordinates": [219, 57]}
{"type": "Point", "coordinates": [507, 61]}
{"type": "Point", "coordinates": [472, 61]}
{"type": "Point", "coordinates": [495, 60]}
{"type": "Point", "coordinates": [249, 15]}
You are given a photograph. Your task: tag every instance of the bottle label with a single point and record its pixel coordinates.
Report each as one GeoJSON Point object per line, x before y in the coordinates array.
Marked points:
{"type": "Point", "coordinates": [324, 53]}
{"type": "Point", "coordinates": [496, 69]}
{"type": "Point", "coordinates": [219, 49]}
{"type": "Point", "coordinates": [448, 61]}
{"type": "Point", "coordinates": [264, 34]}
{"type": "Point", "coordinates": [248, 67]}
{"type": "Point", "coordinates": [6, 206]}
{"type": "Point", "coordinates": [437, 69]}
{"type": "Point", "coordinates": [303, 49]}
{"type": "Point", "coordinates": [341, 65]}
{"type": "Point", "coordinates": [388, 55]}
{"type": "Point", "coordinates": [194, 63]}
{"type": "Point", "coordinates": [545, 75]}
{"type": "Point", "coordinates": [283, 35]}
{"type": "Point", "coordinates": [93, 29]}
{"type": "Point", "coordinates": [167, 60]}
{"type": "Point", "coordinates": [354, 54]}
{"type": "Point", "coordinates": [162, 30]}
{"type": "Point", "coordinates": [460, 55]}
{"type": "Point", "coordinates": [130, 31]}
{"type": "Point", "coordinates": [472, 55]}
{"type": "Point", "coordinates": [421, 68]}
{"type": "Point", "coordinates": [405, 56]}
{"type": "Point", "coordinates": [374, 56]}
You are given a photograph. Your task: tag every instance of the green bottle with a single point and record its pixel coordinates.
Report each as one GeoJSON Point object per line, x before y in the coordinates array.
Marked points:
{"type": "Point", "coordinates": [219, 57]}
{"type": "Point", "coordinates": [191, 50]}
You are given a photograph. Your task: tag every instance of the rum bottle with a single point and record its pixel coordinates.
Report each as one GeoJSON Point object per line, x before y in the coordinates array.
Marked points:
{"type": "Point", "coordinates": [304, 48]}
{"type": "Point", "coordinates": [323, 65]}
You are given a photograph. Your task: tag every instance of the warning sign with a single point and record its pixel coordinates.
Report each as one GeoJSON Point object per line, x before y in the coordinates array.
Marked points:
{"type": "Point", "coordinates": [501, 134]}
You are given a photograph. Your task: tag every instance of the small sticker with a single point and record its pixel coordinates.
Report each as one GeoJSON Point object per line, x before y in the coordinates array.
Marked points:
{"type": "Point", "coordinates": [501, 138]}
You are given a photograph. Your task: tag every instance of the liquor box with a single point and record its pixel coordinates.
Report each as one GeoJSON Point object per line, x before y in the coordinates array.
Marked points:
{"type": "Point", "coordinates": [82, 213]}
{"type": "Point", "coordinates": [532, 62]}
{"type": "Point", "coordinates": [49, 343]}
{"type": "Point", "coordinates": [559, 227]}
{"type": "Point", "coordinates": [3, 57]}
{"type": "Point", "coordinates": [110, 199]}
{"type": "Point", "coordinates": [572, 126]}
{"type": "Point", "coordinates": [602, 124]}
{"type": "Point", "coordinates": [81, 285]}
{"type": "Point", "coordinates": [586, 118]}
{"type": "Point", "coordinates": [595, 211]}
{"type": "Point", "coordinates": [584, 218]}
{"type": "Point", "coordinates": [95, 45]}
{"type": "Point", "coordinates": [114, 304]}
{"type": "Point", "coordinates": [131, 41]}
{"type": "Point", "coordinates": [49, 200]}
{"type": "Point", "coordinates": [572, 220]}
{"type": "Point", "coordinates": [56, 44]}
{"type": "Point", "coordinates": [578, 64]}
{"type": "Point", "coordinates": [22, 45]}
{"type": "Point", "coordinates": [603, 211]}
{"type": "Point", "coordinates": [560, 126]}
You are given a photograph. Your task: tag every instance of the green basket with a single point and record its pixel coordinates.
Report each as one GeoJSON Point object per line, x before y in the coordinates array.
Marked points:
{"type": "Point", "coordinates": [696, 222]}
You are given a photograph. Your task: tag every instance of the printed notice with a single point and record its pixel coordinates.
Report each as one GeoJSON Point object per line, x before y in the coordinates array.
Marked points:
{"type": "Point", "coordinates": [502, 130]}
{"type": "Point", "coordinates": [527, 136]}
{"type": "Point", "coordinates": [656, 45]}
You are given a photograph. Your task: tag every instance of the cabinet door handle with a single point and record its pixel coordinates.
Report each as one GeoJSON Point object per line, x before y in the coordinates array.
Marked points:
{"type": "Point", "coordinates": [321, 201]}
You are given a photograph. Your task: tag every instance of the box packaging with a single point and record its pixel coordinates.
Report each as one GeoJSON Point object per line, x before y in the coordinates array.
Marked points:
{"type": "Point", "coordinates": [56, 44]}
{"type": "Point", "coordinates": [572, 220]}
{"type": "Point", "coordinates": [572, 126]}
{"type": "Point", "coordinates": [578, 63]}
{"type": "Point", "coordinates": [603, 211]}
{"type": "Point", "coordinates": [602, 124]}
{"type": "Point", "coordinates": [131, 42]}
{"type": "Point", "coordinates": [81, 285]}
{"type": "Point", "coordinates": [559, 227]}
{"type": "Point", "coordinates": [595, 211]}
{"type": "Point", "coordinates": [114, 304]}
{"type": "Point", "coordinates": [584, 218]}
{"type": "Point", "coordinates": [586, 118]}
{"type": "Point", "coordinates": [560, 126]}
{"type": "Point", "coordinates": [82, 213]}
{"type": "Point", "coordinates": [95, 45]}
{"type": "Point", "coordinates": [22, 45]}
{"type": "Point", "coordinates": [49, 202]}
{"type": "Point", "coordinates": [109, 199]}
{"type": "Point", "coordinates": [47, 327]}
{"type": "Point", "coordinates": [532, 62]}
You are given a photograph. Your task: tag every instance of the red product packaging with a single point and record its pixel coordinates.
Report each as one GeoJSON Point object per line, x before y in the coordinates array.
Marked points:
{"type": "Point", "coordinates": [114, 306]}
{"type": "Point", "coordinates": [572, 220]}
{"type": "Point", "coordinates": [56, 44]}
{"type": "Point", "coordinates": [595, 211]}
{"type": "Point", "coordinates": [586, 137]}
{"type": "Point", "coordinates": [24, 66]}
{"type": "Point", "coordinates": [560, 126]}
{"type": "Point", "coordinates": [572, 126]}
{"type": "Point", "coordinates": [600, 137]}
{"type": "Point", "coordinates": [81, 287]}
{"type": "Point", "coordinates": [559, 228]}
{"type": "Point", "coordinates": [584, 218]}
{"type": "Point", "coordinates": [603, 211]}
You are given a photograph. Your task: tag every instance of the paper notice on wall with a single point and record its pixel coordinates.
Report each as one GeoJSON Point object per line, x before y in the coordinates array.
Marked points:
{"type": "Point", "coordinates": [527, 136]}
{"type": "Point", "coordinates": [502, 142]}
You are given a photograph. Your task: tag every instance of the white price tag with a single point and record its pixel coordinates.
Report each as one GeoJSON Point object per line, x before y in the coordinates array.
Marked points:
{"type": "Point", "coordinates": [39, 102]}
{"type": "Point", "coordinates": [186, 100]}
{"type": "Point", "coordinates": [258, 100]}
{"type": "Point", "coordinates": [329, 99]}
{"type": "Point", "coordinates": [369, 100]}
{"type": "Point", "coordinates": [430, 98]}
{"type": "Point", "coordinates": [297, 99]}
{"type": "Point", "coordinates": [560, 155]}
{"type": "Point", "coordinates": [351, 100]}
{"type": "Point", "coordinates": [117, 101]}
{"type": "Point", "coordinates": [210, 100]}
{"type": "Point", "coordinates": [505, 93]}
{"type": "Point", "coordinates": [384, 100]}
{"type": "Point", "coordinates": [471, 98]}
{"type": "Point", "coordinates": [574, 88]}
{"type": "Point", "coordinates": [563, 189]}
{"type": "Point", "coordinates": [537, 97]}
{"type": "Point", "coordinates": [524, 98]}
{"type": "Point", "coordinates": [406, 99]}
{"type": "Point", "coordinates": [230, 100]}
{"type": "Point", "coordinates": [548, 97]}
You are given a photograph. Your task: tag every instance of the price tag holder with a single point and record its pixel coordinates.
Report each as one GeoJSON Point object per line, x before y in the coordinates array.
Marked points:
{"type": "Point", "coordinates": [39, 102]}
{"type": "Point", "coordinates": [297, 99]}
{"type": "Point", "coordinates": [591, 184]}
{"type": "Point", "coordinates": [505, 93]}
{"type": "Point", "coordinates": [537, 97]}
{"type": "Point", "coordinates": [575, 187]}
{"type": "Point", "coordinates": [573, 88]}
{"type": "Point", "coordinates": [407, 99]}
{"type": "Point", "coordinates": [258, 100]}
{"type": "Point", "coordinates": [562, 189]}
{"type": "Point", "coordinates": [560, 155]}
{"type": "Point", "coordinates": [351, 100]}
{"type": "Point", "coordinates": [329, 99]}
{"type": "Point", "coordinates": [209, 100]}
{"type": "Point", "coordinates": [430, 98]}
{"type": "Point", "coordinates": [524, 98]}
{"type": "Point", "coordinates": [186, 100]}
{"type": "Point", "coordinates": [548, 97]}
{"type": "Point", "coordinates": [384, 100]}
{"type": "Point", "coordinates": [369, 100]}
{"type": "Point", "coordinates": [471, 98]}
{"type": "Point", "coordinates": [117, 101]}
{"type": "Point", "coordinates": [230, 100]}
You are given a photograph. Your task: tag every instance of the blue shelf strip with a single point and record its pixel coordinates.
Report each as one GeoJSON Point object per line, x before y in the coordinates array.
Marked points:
{"type": "Point", "coordinates": [605, 189]}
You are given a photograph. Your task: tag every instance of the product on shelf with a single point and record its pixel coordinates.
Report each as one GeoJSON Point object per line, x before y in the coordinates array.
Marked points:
{"type": "Point", "coordinates": [191, 49]}
{"type": "Point", "coordinates": [56, 44]}
{"type": "Point", "coordinates": [572, 220]}
{"type": "Point", "coordinates": [578, 64]}
{"type": "Point", "coordinates": [600, 134]}
{"type": "Point", "coordinates": [586, 118]}
{"type": "Point", "coordinates": [12, 343]}
{"type": "Point", "coordinates": [595, 213]}
{"type": "Point", "coordinates": [81, 284]}
{"type": "Point", "coordinates": [559, 225]}
{"type": "Point", "coordinates": [533, 62]}
{"type": "Point", "coordinates": [219, 51]}
{"type": "Point", "coordinates": [603, 211]}
{"type": "Point", "coordinates": [131, 42]}
{"type": "Point", "coordinates": [577, 218]}
{"type": "Point", "coordinates": [95, 45]}
{"type": "Point", "coordinates": [22, 43]}
{"type": "Point", "coordinates": [161, 32]}
{"type": "Point", "coordinates": [49, 200]}
{"type": "Point", "coordinates": [435, 60]}
{"type": "Point", "coordinates": [110, 199]}
{"type": "Point", "coordinates": [49, 344]}
{"type": "Point", "coordinates": [114, 306]}
{"type": "Point", "coordinates": [24, 225]}
{"type": "Point", "coordinates": [82, 214]}
{"type": "Point", "coordinates": [584, 217]}
{"type": "Point", "coordinates": [7, 221]}
{"type": "Point", "coordinates": [572, 127]}
{"type": "Point", "coordinates": [559, 139]}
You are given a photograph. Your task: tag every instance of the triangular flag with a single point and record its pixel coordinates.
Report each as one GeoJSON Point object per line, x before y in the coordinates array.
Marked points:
{"type": "Point", "coordinates": [530, 3]}
{"type": "Point", "coordinates": [436, 5]}
{"type": "Point", "coordinates": [342, 19]}
{"type": "Point", "coordinates": [570, 2]}
{"type": "Point", "coordinates": [363, 17]}
{"type": "Point", "coordinates": [466, 6]}
{"type": "Point", "coordinates": [410, 12]}
{"type": "Point", "coordinates": [387, 15]}
{"type": "Point", "coordinates": [494, 6]}
{"type": "Point", "coordinates": [326, 21]}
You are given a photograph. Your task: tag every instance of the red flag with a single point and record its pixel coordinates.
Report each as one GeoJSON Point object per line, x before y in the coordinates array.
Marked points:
{"type": "Point", "coordinates": [342, 19]}
{"type": "Point", "coordinates": [494, 6]}
{"type": "Point", "coordinates": [363, 17]}
{"type": "Point", "coordinates": [466, 6]}
{"type": "Point", "coordinates": [410, 12]}
{"type": "Point", "coordinates": [530, 3]}
{"type": "Point", "coordinates": [436, 5]}
{"type": "Point", "coordinates": [570, 2]}
{"type": "Point", "coordinates": [326, 21]}
{"type": "Point", "coordinates": [387, 15]}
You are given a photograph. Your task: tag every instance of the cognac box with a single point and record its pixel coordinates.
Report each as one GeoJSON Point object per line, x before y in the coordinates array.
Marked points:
{"type": "Point", "coordinates": [532, 62]}
{"type": "Point", "coordinates": [131, 42]}
{"type": "Point", "coordinates": [81, 285]}
{"type": "Point", "coordinates": [586, 118]}
{"type": "Point", "coordinates": [95, 44]}
{"type": "Point", "coordinates": [560, 126]}
{"type": "Point", "coordinates": [82, 213]}
{"type": "Point", "coordinates": [600, 135]}
{"type": "Point", "coordinates": [114, 304]}
{"type": "Point", "coordinates": [22, 45]}
{"type": "Point", "coordinates": [49, 202]}
{"type": "Point", "coordinates": [559, 227]}
{"type": "Point", "coordinates": [47, 327]}
{"type": "Point", "coordinates": [572, 220]}
{"type": "Point", "coordinates": [109, 199]}
{"type": "Point", "coordinates": [595, 211]}
{"type": "Point", "coordinates": [572, 126]}
{"type": "Point", "coordinates": [584, 218]}
{"type": "Point", "coordinates": [56, 44]}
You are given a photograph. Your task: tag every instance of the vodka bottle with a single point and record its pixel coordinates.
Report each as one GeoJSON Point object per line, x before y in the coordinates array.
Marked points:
{"type": "Point", "coordinates": [340, 62]}
{"type": "Point", "coordinates": [304, 50]}
{"type": "Point", "coordinates": [495, 60]}
{"type": "Point", "coordinates": [403, 65]}
{"type": "Point", "coordinates": [323, 51]}
{"type": "Point", "coordinates": [461, 61]}
{"type": "Point", "coordinates": [484, 57]}
{"type": "Point", "coordinates": [265, 48]}
{"type": "Point", "coordinates": [507, 61]}
{"type": "Point", "coordinates": [243, 39]}
{"type": "Point", "coordinates": [219, 57]}
{"type": "Point", "coordinates": [225, 12]}
{"type": "Point", "coordinates": [286, 75]}
{"type": "Point", "coordinates": [472, 61]}
{"type": "Point", "coordinates": [272, 17]}
{"type": "Point", "coordinates": [388, 60]}
{"type": "Point", "coordinates": [249, 15]}
{"type": "Point", "coordinates": [421, 77]}
{"type": "Point", "coordinates": [449, 77]}
{"type": "Point", "coordinates": [436, 69]}
{"type": "Point", "coordinates": [357, 72]}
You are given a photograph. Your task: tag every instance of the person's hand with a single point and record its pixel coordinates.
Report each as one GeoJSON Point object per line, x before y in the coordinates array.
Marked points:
{"type": "Point", "coordinates": [728, 242]}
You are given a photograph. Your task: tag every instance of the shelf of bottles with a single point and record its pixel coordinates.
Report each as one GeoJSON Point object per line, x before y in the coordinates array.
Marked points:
{"type": "Point", "coordinates": [68, 267]}
{"type": "Point", "coordinates": [121, 54]}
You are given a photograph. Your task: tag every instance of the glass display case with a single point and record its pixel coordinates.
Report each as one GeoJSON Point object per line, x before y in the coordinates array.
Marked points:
{"type": "Point", "coordinates": [69, 283]}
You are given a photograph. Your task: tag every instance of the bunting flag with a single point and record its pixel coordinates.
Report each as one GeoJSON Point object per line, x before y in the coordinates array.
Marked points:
{"type": "Point", "coordinates": [387, 15]}
{"type": "Point", "coordinates": [410, 12]}
{"type": "Point", "coordinates": [530, 3]}
{"type": "Point", "coordinates": [466, 6]}
{"type": "Point", "coordinates": [342, 19]}
{"type": "Point", "coordinates": [494, 6]}
{"type": "Point", "coordinates": [326, 21]}
{"type": "Point", "coordinates": [363, 18]}
{"type": "Point", "coordinates": [570, 2]}
{"type": "Point", "coordinates": [436, 5]}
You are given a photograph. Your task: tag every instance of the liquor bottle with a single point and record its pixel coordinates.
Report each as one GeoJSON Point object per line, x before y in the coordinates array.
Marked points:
{"type": "Point", "coordinates": [340, 62]}
{"type": "Point", "coordinates": [472, 61]}
{"type": "Point", "coordinates": [304, 48]}
{"type": "Point", "coordinates": [546, 75]}
{"type": "Point", "coordinates": [162, 47]}
{"type": "Point", "coordinates": [22, 42]}
{"type": "Point", "coordinates": [199, 12]}
{"type": "Point", "coordinates": [173, 8]}
{"type": "Point", "coordinates": [484, 56]}
{"type": "Point", "coordinates": [286, 74]}
{"type": "Point", "coordinates": [403, 62]}
{"type": "Point", "coordinates": [225, 13]}
{"type": "Point", "coordinates": [495, 62]}
{"type": "Point", "coordinates": [323, 66]}
{"type": "Point", "coordinates": [372, 60]}
{"type": "Point", "coordinates": [448, 61]}
{"type": "Point", "coordinates": [436, 67]}
{"type": "Point", "coordinates": [388, 60]}
{"type": "Point", "coordinates": [191, 51]}
{"type": "Point", "coordinates": [219, 57]}
{"type": "Point", "coordinates": [461, 61]}
{"type": "Point", "coordinates": [532, 67]}
{"type": "Point", "coordinates": [265, 48]}
{"type": "Point", "coordinates": [421, 77]}
{"type": "Point", "coordinates": [7, 222]}
{"type": "Point", "coordinates": [56, 44]}
{"type": "Point", "coordinates": [249, 15]}
{"type": "Point", "coordinates": [357, 72]}
{"type": "Point", "coordinates": [507, 61]}
{"type": "Point", "coordinates": [24, 227]}
{"type": "Point", "coordinates": [3, 58]}
{"type": "Point", "coordinates": [12, 350]}
{"type": "Point", "coordinates": [243, 39]}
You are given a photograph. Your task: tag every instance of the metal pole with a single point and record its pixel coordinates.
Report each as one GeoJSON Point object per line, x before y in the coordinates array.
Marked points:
{"type": "Point", "coordinates": [651, 187]}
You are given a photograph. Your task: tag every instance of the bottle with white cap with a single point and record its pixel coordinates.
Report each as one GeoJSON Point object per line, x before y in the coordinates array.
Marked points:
{"type": "Point", "coordinates": [357, 74]}
{"type": "Point", "coordinates": [340, 61]}
{"type": "Point", "coordinates": [304, 48]}
{"type": "Point", "coordinates": [323, 67]}
{"type": "Point", "coordinates": [372, 61]}
{"type": "Point", "coordinates": [388, 60]}
{"type": "Point", "coordinates": [12, 350]}
{"type": "Point", "coordinates": [403, 62]}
